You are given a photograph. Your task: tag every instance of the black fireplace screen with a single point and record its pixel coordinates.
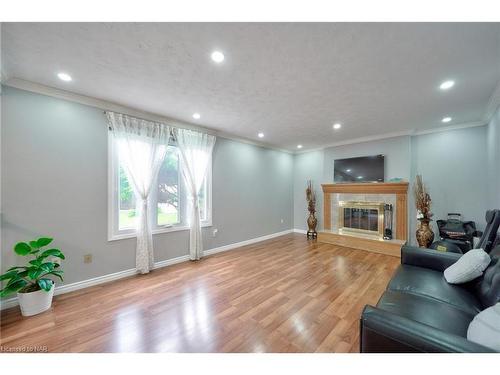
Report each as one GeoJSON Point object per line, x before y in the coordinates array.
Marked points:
{"type": "Point", "coordinates": [361, 218]}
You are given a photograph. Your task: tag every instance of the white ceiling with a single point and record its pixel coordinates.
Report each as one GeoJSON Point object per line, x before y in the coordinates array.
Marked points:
{"type": "Point", "coordinates": [291, 81]}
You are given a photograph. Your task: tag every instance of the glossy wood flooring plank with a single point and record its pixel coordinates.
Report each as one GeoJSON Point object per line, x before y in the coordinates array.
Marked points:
{"type": "Point", "coordinates": [282, 295]}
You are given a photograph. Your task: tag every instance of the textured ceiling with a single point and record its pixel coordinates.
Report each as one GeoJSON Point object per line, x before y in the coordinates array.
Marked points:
{"type": "Point", "coordinates": [291, 81]}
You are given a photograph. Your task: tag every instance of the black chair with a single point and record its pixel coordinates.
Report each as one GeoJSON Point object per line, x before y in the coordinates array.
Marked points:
{"type": "Point", "coordinates": [486, 241]}
{"type": "Point", "coordinates": [491, 232]}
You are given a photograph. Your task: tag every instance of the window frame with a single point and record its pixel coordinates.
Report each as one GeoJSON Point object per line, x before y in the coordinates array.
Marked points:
{"type": "Point", "coordinates": [114, 233]}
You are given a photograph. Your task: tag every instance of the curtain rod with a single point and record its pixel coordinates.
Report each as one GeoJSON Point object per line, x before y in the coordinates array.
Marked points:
{"type": "Point", "coordinates": [139, 118]}
{"type": "Point", "coordinates": [202, 130]}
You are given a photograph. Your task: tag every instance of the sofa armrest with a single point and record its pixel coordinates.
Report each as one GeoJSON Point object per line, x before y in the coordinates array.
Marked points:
{"type": "Point", "coordinates": [385, 332]}
{"type": "Point", "coordinates": [427, 258]}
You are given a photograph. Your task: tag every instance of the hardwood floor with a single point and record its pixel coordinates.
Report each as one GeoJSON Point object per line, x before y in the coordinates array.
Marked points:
{"type": "Point", "coordinates": [281, 295]}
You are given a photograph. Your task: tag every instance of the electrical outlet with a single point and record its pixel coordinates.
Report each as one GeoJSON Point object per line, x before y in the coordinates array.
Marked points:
{"type": "Point", "coordinates": [87, 258]}
{"type": "Point", "coordinates": [214, 233]}
{"type": "Point", "coordinates": [282, 221]}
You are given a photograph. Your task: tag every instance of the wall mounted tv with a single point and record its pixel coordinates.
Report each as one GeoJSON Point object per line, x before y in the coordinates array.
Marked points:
{"type": "Point", "coordinates": [361, 169]}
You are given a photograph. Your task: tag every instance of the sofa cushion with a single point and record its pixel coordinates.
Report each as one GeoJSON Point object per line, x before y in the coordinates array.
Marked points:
{"type": "Point", "coordinates": [469, 267]}
{"type": "Point", "coordinates": [431, 284]}
{"type": "Point", "coordinates": [488, 287]}
{"type": "Point", "coordinates": [436, 314]}
{"type": "Point", "coordinates": [485, 328]}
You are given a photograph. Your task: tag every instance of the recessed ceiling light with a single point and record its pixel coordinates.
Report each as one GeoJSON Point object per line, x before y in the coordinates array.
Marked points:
{"type": "Point", "coordinates": [64, 77]}
{"type": "Point", "coordinates": [337, 126]}
{"type": "Point", "coordinates": [217, 56]}
{"type": "Point", "coordinates": [447, 85]}
{"type": "Point", "coordinates": [347, 170]}
{"type": "Point", "coordinates": [196, 116]}
{"type": "Point", "coordinates": [261, 135]}
{"type": "Point", "coordinates": [299, 146]}
{"type": "Point", "coordinates": [446, 119]}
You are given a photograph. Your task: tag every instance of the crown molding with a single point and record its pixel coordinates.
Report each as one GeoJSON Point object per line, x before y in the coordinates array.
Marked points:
{"type": "Point", "coordinates": [493, 104]}
{"type": "Point", "coordinates": [408, 133]}
{"type": "Point", "coordinates": [106, 105]}
{"type": "Point", "coordinates": [465, 125]}
{"type": "Point", "coordinates": [252, 143]}
{"type": "Point", "coordinates": [352, 141]}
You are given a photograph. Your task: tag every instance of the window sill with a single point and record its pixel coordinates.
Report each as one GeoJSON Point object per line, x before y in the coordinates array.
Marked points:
{"type": "Point", "coordinates": [173, 228]}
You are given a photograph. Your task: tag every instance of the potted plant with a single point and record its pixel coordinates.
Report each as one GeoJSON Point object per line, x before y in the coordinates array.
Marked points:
{"type": "Point", "coordinates": [31, 282]}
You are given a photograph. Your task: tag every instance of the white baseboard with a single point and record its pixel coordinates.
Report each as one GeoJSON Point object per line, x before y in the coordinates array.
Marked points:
{"type": "Point", "coordinates": [301, 231]}
{"type": "Point", "coordinates": [245, 243]}
{"type": "Point", "coordinates": [11, 302]}
{"type": "Point", "coordinates": [169, 262]}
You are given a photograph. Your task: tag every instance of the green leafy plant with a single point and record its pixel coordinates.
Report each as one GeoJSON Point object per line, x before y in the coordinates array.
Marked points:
{"type": "Point", "coordinates": [33, 276]}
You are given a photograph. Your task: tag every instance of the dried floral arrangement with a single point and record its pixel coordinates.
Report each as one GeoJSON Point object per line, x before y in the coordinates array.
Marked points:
{"type": "Point", "coordinates": [310, 197]}
{"type": "Point", "coordinates": [311, 207]}
{"type": "Point", "coordinates": [422, 199]}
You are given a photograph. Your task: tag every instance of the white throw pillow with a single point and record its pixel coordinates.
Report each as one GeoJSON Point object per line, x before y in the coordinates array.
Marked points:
{"type": "Point", "coordinates": [468, 267]}
{"type": "Point", "coordinates": [485, 328]}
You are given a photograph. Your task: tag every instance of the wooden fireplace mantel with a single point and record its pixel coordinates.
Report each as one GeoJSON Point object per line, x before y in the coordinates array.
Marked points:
{"type": "Point", "coordinates": [400, 189]}
{"type": "Point", "coordinates": [367, 188]}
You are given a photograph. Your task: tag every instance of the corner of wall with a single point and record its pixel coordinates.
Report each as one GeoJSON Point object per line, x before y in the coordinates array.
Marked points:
{"type": "Point", "coordinates": [307, 166]}
{"type": "Point", "coordinates": [493, 149]}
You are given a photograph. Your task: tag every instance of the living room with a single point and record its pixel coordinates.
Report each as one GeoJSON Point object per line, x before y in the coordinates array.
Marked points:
{"type": "Point", "coordinates": [183, 187]}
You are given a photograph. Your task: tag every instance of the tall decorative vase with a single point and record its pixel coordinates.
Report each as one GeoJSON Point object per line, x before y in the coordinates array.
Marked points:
{"type": "Point", "coordinates": [424, 234]}
{"type": "Point", "coordinates": [311, 224]}
{"type": "Point", "coordinates": [311, 207]}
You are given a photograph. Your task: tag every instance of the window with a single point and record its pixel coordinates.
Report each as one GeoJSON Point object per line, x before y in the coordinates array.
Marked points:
{"type": "Point", "coordinates": [168, 197]}
{"type": "Point", "coordinates": [168, 209]}
{"type": "Point", "coordinates": [127, 218]}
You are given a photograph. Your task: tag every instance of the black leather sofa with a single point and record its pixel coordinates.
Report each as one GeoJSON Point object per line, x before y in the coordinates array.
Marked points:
{"type": "Point", "coordinates": [421, 312]}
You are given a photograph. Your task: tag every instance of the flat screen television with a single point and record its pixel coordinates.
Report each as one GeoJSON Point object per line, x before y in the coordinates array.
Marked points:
{"type": "Point", "coordinates": [361, 169]}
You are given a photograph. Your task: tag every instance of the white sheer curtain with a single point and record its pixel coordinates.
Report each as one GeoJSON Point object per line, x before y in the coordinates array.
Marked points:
{"type": "Point", "coordinates": [196, 152]}
{"type": "Point", "coordinates": [142, 146]}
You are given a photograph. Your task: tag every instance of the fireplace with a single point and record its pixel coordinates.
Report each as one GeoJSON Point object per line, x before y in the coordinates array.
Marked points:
{"type": "Point", "coordinates": [361, 218]}
{"type": "Point", "coordinates": [363, 228]}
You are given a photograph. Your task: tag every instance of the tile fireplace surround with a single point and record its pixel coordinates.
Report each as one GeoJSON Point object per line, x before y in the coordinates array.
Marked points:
{"type": "Point", "coordinates": [388, 193]}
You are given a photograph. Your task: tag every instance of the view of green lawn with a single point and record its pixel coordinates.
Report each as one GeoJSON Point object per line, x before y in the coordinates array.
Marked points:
{"type": "Point", "coordinates": [128, 221]}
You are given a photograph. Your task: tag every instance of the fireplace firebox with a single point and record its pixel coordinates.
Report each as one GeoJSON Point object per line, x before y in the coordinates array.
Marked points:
{"type": "Point", "coordinates": [362, 217]}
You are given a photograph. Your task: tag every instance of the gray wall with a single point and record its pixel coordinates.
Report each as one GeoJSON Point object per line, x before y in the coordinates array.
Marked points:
{"type": "Point", "coordinates": [493, 136]}
{"type": "Point", "coordinates": [307, 166]}
{"type": "Point", "coordinates": [54, 183]}
{"type": "Point", "coordinates": [396, 151]}
{"type": "Point", "coordinates": [318, 166]}
{"type": "Point", "coordinates": [452, 163]}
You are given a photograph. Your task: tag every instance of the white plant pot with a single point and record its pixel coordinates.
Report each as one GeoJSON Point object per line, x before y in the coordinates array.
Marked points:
{"type": "Point", "coordinates": [35, 302]}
